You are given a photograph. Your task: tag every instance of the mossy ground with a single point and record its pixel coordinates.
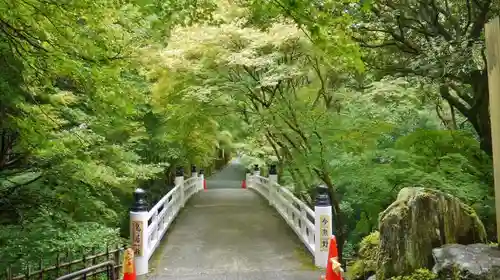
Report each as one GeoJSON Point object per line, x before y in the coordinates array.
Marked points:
{"type": "Point", "coordinates": [307, 261]}
{"type": "Point", "coordinates": [419, 274]}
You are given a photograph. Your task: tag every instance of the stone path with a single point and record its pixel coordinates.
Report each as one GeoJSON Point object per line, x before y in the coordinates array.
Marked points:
{"type": "Point", "coordinates": [228, 178]}
{"type": "Point", "coordinates": [231, 233]}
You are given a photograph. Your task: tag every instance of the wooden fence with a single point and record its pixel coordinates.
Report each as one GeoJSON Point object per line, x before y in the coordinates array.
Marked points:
{"type": "Point", "coordinates": [64, 264]}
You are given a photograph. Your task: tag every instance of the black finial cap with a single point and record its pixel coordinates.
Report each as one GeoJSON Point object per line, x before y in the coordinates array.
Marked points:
{"type": "Point", "coordinates": [193, 168]}
{"type": "Point", "coordinates": [179, 171]}
{"type": "Point", "coordinates": [322, 198]}
{"type": "Point", "coordinates": [256, 167]}
{"type": "Point", "coordinates": [140, 204]}
{"type": "Point", "coordinates": [202, 171]}
{"type": "Point", "coordinates": [272, 169]}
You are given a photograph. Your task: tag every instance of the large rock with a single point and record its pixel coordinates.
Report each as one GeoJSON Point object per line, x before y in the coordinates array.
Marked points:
{"type": "Point", "coordinates": [471, 262]}
{"type": "Point", "coordinates": [418, 221]}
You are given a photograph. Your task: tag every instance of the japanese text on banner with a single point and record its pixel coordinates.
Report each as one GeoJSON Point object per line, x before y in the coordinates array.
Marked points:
{"type": "Point", "coordinates": [324, 232]}
{"type": "Point", "coordinates": [137, 234]}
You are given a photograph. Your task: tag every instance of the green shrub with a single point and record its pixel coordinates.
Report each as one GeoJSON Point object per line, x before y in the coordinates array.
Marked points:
{"type": "Point", "coordinates": [24, 246]}
{"type": "Point", "coordinates": [366, 264]}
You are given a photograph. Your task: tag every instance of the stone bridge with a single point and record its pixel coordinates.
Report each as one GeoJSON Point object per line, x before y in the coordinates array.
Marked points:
{"type": "Point", "coordinates": [216, 229]}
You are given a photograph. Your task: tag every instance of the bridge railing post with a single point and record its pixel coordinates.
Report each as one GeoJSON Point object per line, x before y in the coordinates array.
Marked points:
{"type": "Point", "coordinates": [323, 226]}
{"type": "Point", "coordinates": [194, 173]}
{"type": "Point", "coordinates": [138, 231]}
{"type": "Point", "coordinates": [273, 180]}
{"type": "Point", "coordinates": [201, 179]}
{"type": "Point", "coordinates": [303, 227]}
{"type": "Point", "coordinates": [179, 180]}
{"type": "Point", "coordinates": [256, 170]}
{"type": "Point", "coordinates": [248, 177]}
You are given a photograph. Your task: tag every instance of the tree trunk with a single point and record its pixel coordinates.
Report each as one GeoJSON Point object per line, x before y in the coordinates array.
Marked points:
{"type": "Point", "coordinates": [477, 112]}
{"type": "Point", "coordinates": [480, 119]}
{"type": "Point", "coordinates": [338, 227]}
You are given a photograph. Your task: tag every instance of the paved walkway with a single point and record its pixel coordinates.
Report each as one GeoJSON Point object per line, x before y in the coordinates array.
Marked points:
{"type": "Point", "coordinates": [228, 178]}
{"type": "Point", "coordinates": [231, 234]}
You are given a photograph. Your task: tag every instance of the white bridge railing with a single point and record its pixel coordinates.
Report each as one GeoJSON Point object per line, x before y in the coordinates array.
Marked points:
{"type": "Point", "coordinates": [147, 227]}
{"type": "Point", "coordinates": [313, 227]}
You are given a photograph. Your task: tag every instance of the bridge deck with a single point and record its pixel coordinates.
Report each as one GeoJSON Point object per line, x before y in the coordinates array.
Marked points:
{"type": "Point", "coordinates": [228, 178]}
{"type": "Point", "coordinates": [231, 234]}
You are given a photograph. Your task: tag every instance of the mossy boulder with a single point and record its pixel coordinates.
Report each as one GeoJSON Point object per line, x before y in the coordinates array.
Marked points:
{"type": "Point", "coordinates": [419, 220]}
{"type": "Point", "coordinates": [366, 264]}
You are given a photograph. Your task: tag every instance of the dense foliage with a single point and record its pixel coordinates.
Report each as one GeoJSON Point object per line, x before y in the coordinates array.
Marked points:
{"type": "Point", "coordinates": [314, 108]}
{"type": "Point", "coordinates": [368, 97]}
{"type": "Point", "coordinates": [81, 124]}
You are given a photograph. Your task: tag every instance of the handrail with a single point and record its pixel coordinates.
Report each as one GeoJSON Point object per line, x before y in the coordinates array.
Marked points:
{"type": "Point", "coordinates": [162, 201]}
{"type": "Point", "coordinates": [191, 179]}
{"type": "Point", "coordinates": [191, 185]}
{"type": "Point", "coordinates": [294, 211]}
{"type": "Point", "coordinates": [110, 270]}
{"type": "Point", "coordinates": [298, 201]}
